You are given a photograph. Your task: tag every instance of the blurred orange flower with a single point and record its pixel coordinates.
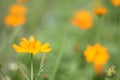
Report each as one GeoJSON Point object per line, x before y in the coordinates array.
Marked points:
{"type": "Point", "coordinates": [21, 1]}
{"type": "Point", "coordinates": [98, 55]}
{"type": "Point", "coordinates": [115, 2]}
{"type": "Point", "coordinates": [31, 46]}
{"type": "Point", "coordinates": [17, 9]}
{"type": "Point", "coordinates": [83, 19]}
{"type": "Point", "coordinates": [14, 21]}
{"type": "Point", "coordinates": [100, 10]}
{"type": "Point", "coordinates": [16, 16]}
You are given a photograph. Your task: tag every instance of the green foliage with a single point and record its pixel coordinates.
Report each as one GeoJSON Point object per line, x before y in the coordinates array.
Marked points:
{"type": "Point", "coordinates": [49, 21]}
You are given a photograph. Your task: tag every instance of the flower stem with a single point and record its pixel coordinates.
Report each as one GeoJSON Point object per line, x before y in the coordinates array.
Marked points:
{"type": "Point", "coordinates": [31, 66]}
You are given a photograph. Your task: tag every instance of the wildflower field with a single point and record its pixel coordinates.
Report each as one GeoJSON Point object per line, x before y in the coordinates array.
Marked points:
{"type": "Point", "coordinates": [59, 39]}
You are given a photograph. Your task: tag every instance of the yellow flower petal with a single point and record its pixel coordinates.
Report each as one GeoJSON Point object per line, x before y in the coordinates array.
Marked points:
{"type": "Point", "coordinates": [45, 48]}
{"type": "Point", "coordinates": [18, 49]}
{"type": "Point", "coordinates": [89, 54]}
{"type": "Point", "coordinates": [23, 39]}
{"type": "Point", "coordinates": [31, 39]}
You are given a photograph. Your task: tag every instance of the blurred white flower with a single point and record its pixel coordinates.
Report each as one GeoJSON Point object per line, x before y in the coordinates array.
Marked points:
{"type": "Point", "coordinates": [12, 66]}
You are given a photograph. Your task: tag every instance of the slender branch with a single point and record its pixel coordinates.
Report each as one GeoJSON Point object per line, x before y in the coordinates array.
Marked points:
{"type": "Point", "coordinates": [31, 66]}
{"type": "Point", "coordinates": [27, 78]}
{"type": "Point", "coordinates": [41, 66]}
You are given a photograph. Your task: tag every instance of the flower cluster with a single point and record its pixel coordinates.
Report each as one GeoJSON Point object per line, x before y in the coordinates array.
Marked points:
{"type": "Point", "coordinates": [98, 55]}
{"type": "Point", "coordinates": [16, 16]}
{"type": "Point", "coordinates": [31, 46]}
{"type": "Point", "coordinates": [83, 19]}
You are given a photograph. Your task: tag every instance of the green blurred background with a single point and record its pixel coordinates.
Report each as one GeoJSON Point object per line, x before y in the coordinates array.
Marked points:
{"type": "Point", "coordinates": [49, 21]}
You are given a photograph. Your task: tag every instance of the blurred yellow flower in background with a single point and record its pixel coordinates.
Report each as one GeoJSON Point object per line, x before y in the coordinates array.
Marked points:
{"type": "Point", "coordinates": [115, 2]}
{"type": "Point", "coordinates": [14, 21]}
{"type": "Point", "coordinates": [100, 10]}
{"type": "Point", "coordinates": [16, 16]}
{"type": "Point", "coordinates": [97, 54]}
{"type": "Point", "coordinates": [31, 46]}
{"type": "Point", "coordinates": [83, 19]}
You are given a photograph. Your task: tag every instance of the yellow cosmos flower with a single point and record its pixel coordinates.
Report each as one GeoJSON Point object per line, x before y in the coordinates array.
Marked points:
{"type": "Point", "coordinates": [31, 46]}
{"type": "Point", "coordinates": [98, 55]}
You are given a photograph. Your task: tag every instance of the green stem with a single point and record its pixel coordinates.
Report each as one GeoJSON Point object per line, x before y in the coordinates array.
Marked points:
{"type": "Point", "coordinates": [31, 66]}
